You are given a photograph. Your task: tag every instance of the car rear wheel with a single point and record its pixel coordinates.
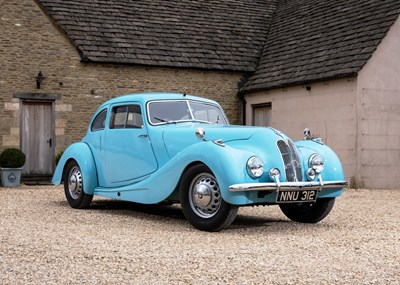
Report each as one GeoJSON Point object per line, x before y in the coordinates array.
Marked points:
{"type": "Point", "coordinates": [73, 187]}
{"type": "Point", "coordinates": [201, 200]}
{"type": "Point", "coordinates": [308, 212]}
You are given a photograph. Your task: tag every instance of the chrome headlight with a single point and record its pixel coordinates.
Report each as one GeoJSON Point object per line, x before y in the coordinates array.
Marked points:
{"type": "Point", "coordinates": [255, 167]}
{"type": "Point", "coordinates": [316, 162]}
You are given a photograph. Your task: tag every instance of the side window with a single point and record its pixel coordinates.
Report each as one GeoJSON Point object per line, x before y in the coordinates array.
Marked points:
{"type": "Point", "coordinates": [99, 123]}
{"type": "Point", "coordinates": [128, 116]}
{"type": "Point", "coordinates": [118, 117]}
{"type": "Point", "coordinates": [134, 118]}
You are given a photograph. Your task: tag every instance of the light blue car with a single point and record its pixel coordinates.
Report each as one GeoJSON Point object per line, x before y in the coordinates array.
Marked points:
{"type": "Point", "coordinates": [155, 147]}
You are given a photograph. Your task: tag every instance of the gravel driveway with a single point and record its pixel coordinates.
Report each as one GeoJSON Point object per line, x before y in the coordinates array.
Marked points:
{"type": "Point", "coordinates": [44, 241]}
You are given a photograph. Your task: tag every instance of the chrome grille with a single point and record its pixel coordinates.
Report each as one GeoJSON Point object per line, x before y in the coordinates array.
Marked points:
{"type": "Point", "coordinates": [291, 161]}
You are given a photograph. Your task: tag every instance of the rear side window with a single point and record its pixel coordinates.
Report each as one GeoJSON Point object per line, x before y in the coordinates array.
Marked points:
{"type": "Point", "coordinates": [99, 123]}
{"type": "Point", "coordinates": [127, 116]}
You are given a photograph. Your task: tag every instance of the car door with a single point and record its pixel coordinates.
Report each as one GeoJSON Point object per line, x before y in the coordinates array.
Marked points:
{"type": "Point", "coordinates": [128, 154]}
{"type": "Point", "coordinates": [95, 139]}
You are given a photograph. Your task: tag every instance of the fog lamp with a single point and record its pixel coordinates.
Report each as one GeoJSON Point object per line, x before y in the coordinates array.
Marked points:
{"type": "Point", "coordinates": [274, 174]}
{"type": "Point", "coordinates": [311, 174]}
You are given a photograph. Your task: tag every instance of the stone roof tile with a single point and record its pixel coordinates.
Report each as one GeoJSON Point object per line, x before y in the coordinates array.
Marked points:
{"type": "Point", "coordinates": [299, 40]}
{"type": "Point", "coordinates": [313, 40]}
{"type": "Point", "coordinates": [192, 32]}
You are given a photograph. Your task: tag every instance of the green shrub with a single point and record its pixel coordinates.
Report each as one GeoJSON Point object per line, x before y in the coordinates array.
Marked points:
{"type": "Point", "coordinates": [58, 157]}
{"type": "Point", "coordinates": [12, 158]}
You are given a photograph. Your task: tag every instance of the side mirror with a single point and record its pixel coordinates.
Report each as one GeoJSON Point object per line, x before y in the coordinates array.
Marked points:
{"type": "Point", "coordinates": [200, 134]}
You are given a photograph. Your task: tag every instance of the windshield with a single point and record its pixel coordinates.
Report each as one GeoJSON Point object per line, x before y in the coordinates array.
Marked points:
{"type": "Point", "coordinates": [167, 112]}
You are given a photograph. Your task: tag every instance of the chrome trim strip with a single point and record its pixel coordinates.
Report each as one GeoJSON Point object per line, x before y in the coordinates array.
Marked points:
{"type": "Point", "coordinates": [282, 186]}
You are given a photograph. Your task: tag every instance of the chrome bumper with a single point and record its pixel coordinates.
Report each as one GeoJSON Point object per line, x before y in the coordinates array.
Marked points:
{"type": "Point", "coordinates": [282, 186]}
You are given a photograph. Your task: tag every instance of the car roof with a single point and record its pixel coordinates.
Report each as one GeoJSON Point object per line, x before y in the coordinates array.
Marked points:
{"type": "Point", "coordinates": [153, 96]}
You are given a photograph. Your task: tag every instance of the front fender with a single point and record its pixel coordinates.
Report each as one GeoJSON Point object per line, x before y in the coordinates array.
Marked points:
{"type": "Point", "coordinates": [228, 165]}
{"type": "Point", "coordinates": [161, 184]}
{"type": "Point", "coordinates": [333, 169]}
{"type": "Point", "coordinates": [81, 153]}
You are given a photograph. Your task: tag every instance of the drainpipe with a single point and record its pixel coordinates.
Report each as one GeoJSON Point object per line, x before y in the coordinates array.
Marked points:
{"type": "Point", "coordinates": [241, 83]}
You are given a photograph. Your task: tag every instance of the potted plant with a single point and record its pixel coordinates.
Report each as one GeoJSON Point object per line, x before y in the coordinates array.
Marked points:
{"type": "Point", "coordinates": [11, 162]}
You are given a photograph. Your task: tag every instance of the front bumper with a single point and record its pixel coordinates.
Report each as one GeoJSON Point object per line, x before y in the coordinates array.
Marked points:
{"type": "Point", "coordinates": [282, 186]}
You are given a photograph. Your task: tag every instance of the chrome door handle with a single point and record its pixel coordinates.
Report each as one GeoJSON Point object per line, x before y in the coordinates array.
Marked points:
{"type": "Point", "coordinates": [143, 136]}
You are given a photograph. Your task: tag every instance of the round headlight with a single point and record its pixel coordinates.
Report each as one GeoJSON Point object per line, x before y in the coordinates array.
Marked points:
{"type": "Point", "coordinates": [255, 167]}
{"type": "Point", "coordinates": [316, 162]}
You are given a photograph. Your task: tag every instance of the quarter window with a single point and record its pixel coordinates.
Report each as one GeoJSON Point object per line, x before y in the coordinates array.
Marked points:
{"type": "Point", "coordinates": [99, 123]}
{"type": "Point", "coordinates": [127, 116]}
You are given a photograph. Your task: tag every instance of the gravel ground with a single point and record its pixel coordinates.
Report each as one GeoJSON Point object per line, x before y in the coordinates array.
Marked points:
{"type": "Point", "coordinates": [44, 241]}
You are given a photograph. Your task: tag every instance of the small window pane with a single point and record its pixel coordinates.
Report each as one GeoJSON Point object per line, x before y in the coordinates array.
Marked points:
{"type": "Point", "coordinates": [134, 119]}
{"type": "Point", "coordinates": [119, 117]}
{"type": "Point", "coordinates": [99, 122]}
{"type": "Point", "coordinates": [126, 117]}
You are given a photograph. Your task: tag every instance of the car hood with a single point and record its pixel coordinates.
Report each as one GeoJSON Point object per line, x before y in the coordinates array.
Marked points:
{"type": "Point", "coordinates": [177, 137]}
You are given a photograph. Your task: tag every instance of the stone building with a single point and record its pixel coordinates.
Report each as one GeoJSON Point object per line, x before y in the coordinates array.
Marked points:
{"type": "Point", "coordinates": [327, 65]}
{"type": "Point", "coordinates": [334, 67]}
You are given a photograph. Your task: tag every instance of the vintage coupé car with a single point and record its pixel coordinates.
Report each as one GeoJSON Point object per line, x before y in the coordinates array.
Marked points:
{"type": "Point", "coordinates": [155, 147]}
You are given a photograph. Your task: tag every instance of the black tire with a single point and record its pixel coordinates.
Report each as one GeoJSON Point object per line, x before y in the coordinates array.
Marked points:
{"type": "Point", "coordinates": [201, 200]}
{"type": "Point", "coordinates": [308, 212]}
{"type": "Point", "coordinates": [73, 187]}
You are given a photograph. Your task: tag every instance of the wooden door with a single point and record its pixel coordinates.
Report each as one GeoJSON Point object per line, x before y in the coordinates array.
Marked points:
{"type": "Point", "coordinates": [262, 115]}
{"type": "Point", "coordinates": [37, 137]}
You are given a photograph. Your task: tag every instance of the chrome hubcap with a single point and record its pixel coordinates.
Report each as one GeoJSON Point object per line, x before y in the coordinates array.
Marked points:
{"type": "Point", "coordinates": [205, 196]}
{"type": "Point", "coordinates": [75, 182]}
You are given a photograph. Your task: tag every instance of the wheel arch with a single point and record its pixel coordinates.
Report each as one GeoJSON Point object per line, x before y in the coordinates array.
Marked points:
{"type": "Point", "coordinates": [226, 163]}
{"type": "Point", "coordinates": [175, 194]}
{"type": "Point", "coordinates": [209, 212]}
{"type": "Point", "coordinates": [81, 153]}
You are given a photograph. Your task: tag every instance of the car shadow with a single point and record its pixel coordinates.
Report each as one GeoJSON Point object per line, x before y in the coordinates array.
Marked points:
{"type": "Point", "coordinates": [170, 212]}
{"type": "Point", "coordinates": [246, 221]}
{"type": "Point", "coordinates": [123, 207]}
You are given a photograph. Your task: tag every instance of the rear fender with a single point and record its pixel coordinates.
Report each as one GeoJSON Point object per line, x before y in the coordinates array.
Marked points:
{"type": "Point", "coordinates": [81, 153]}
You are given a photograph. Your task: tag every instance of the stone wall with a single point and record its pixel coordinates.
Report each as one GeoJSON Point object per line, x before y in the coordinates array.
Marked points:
{"type": "Point", "coordinates": [379, 115]}
{"type": "Point", "coordinates": [30, 42]}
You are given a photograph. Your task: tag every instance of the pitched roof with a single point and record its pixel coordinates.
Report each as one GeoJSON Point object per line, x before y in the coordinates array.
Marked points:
{"type": "Point", "coordinates": [281, 42]}
{"type": "Point", "coordinates": [216, 34]}
{"type": "Point", "coordinates": [313, 40]}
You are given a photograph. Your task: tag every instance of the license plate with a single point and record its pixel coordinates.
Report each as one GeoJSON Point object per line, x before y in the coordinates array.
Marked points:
{"type": "Point", "coordinates": [293, 196]}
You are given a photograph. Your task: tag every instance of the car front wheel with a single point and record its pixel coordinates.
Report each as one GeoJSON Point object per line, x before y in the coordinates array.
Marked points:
{"type": "Point", "coordinates": [308, 212]}
{"type": "Point", "coordinates": [201, 200]}
{"type": "Point", "coordinates": [73, 187]}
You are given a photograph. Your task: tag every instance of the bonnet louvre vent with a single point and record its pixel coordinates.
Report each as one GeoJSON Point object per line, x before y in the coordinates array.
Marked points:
{"type": "Point", "coordinates": [291, 161]}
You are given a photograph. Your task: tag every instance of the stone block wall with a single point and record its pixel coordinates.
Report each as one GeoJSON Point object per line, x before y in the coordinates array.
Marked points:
{"type": "Point", "coordinates": [30, 42]}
